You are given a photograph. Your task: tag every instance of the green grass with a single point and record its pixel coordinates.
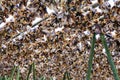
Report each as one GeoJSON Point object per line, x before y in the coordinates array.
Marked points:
{"type": "Point", "coordinates": [12, 74]}
{"type": "Point", "coordinates": [109, 57]}
{"type": "Point", "coordinates": [91, 57]}
{"type": "Point", "coordinates": [66, 75]}
{"type": "Point", "coordinates": [18, 74]}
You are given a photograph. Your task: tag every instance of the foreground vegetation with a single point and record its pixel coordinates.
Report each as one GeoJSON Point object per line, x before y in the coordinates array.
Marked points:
{"type": "Point", "coordinates": [76, 20]}
{"type": "Point", "coordinates": [66, 75]}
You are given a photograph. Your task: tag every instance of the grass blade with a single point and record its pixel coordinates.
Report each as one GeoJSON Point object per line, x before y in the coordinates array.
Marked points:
{"type": "Point", "coordinates": [91, 57]}
{"type": "Point", "coordinates": [30, 70]}
{"type": "Point", "coordinates": [66, 76]}
{"type": "Point", "coordinates": [12, 74]}
{"type": "Point", "coordinates": [42, 78]}
{"type": "Point", "coordinates": [1, 78]}
{"type": "Point", "coordinates": [5, 78]}
{"type": "Point", "coordinates": [51, 78]}
{"type": "Point", "coordinates": [33, 71]}
{"type": "Point", "coordinates": [18, 73]}
{"type": "Point", "coordinates": [115, 74]}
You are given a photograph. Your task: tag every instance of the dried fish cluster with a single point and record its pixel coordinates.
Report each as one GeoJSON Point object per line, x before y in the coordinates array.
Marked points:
{"type": "Point", "coordinates": [61, 40]}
